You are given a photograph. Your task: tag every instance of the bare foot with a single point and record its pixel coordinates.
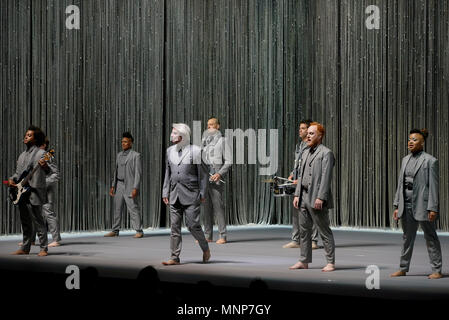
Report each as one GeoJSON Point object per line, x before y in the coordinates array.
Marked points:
{"type": "Point", "coordinates": [328, 268]}
{"type": "Point", "coordinates": [399, 273]}
{"type": "Point", "coordinates": [299, 265]}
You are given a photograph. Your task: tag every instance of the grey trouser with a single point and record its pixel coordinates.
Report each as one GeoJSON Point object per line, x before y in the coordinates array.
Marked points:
{"type": "Point", "coordinates": [50, 218]}
{"type": "Point", "coordinates": [30, 216]}
{"type": "Point", "coordinates": [214, 204]}
{"type": "Point", "coordinates": [295, 228]}
{"type": "Point", "coordinates": [409, 227]}
{"type": "Point", "coordinates": [121, 198]}
{"type": "Point", "coordinates": [192, 219]}
{"type": "Point", "coordinates": [308, 217]}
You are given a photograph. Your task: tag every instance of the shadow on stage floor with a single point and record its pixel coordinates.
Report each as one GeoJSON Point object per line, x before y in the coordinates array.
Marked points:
{"type": "Point", "coordinates": [246, 271]}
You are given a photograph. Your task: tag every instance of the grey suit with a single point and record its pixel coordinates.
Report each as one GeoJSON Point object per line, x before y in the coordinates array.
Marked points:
{"type": "Point", "coordinates": [129, 165]}
{"type": "Point", "coordinates": [299, 150]}
{"type": "Point", "coordinates": [49, 213]}
{"type": "Point", "coordinates": [219, 160]}
{"type": "Point", "coordinates": [185, 184]}
{"type": "Point", "coordinates": [47, 209]}
{"type": "Point", "coordinates": [414, 203]}
{"type": "Point", "coordinates": [314, 182]}
{"type": "Point", "coordinates": [31, 209]}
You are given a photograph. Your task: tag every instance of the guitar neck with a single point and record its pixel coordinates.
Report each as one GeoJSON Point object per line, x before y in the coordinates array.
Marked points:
{"type": "Point", "coordinates": [30, 175]}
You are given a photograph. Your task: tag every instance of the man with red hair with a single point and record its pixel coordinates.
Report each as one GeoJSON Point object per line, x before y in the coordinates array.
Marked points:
{"type": "Point", "coordinates": [313, 197]}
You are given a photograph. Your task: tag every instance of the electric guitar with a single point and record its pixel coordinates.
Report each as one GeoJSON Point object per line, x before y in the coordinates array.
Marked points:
{"type": "Point", "coordinates": [22, 188]}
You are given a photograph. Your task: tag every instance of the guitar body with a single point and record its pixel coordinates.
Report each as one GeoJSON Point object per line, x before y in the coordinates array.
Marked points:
{"type": "Point", "coordinates": [22, 189]}
{"type": "Point", "coordinates": [20, 192]}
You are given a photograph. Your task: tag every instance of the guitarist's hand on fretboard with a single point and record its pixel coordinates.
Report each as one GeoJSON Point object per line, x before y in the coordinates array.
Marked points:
{"type": "Point", "coordinates": [43, 163]}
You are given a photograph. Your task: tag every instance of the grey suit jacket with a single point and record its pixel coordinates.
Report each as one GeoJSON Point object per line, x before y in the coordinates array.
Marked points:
{"type": "Point", "coordinates": [425, 187]}
{"type": "Point", "coordinates": [133, 172]}
{"type": "Point", "coordinates": [51, 180]}
{"type": "Point", "coordinates": [30, 158]}
{"type": "Point", "coordinates": [186, 177]}
{"type": "Point", "coordinates": [320, 187]}
{"type": "Point", "coordinates": [218, 155]}
{"type": "Point", "coordinates": [299, 150]}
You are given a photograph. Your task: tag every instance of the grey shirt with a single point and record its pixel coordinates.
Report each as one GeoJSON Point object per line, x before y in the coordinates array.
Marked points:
{"type": "Point", "coordinates": [409, 174]}
{"type": "Point", "coordinates": [410, 168]}
{"type": "Point", "coordinates": [307, 177]}
{"type": "Point", "coordinates": [121, 164]}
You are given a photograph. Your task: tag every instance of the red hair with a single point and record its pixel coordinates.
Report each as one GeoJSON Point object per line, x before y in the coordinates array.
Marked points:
{"type": "Point", "coordinates": [319, 128]}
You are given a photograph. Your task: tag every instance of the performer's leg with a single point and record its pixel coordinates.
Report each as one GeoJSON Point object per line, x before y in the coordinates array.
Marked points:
{"type": "Point", "coordinates": [51, 218]}
{"type": "Point", "coordinates": [305, 231]}
{"type": "Point", "coordinates": [409, 227]}
{"type": "Point", "coordinates": [176, 211]}
{"type": "Point", "coordinates": [118, 206]}
{"type": "Point", "coordinates": [192, 216]}
{"type": "Point", "coordinates": [216, 193]}
{"type": "Point", "coordinates": [208, 215]}
{"type": "Point", "coordinates": [41, 228]}
{"type": "Point", "coordinates": [27, 226]}
{"type": "Point", "coordinates": [322, 223]}
{"type": "Point", "coordinates": [433, 245]}
{"type": "Point", "coordinates": [295, 225]}
{"type": "Point", "coordinates": [315, 234]}
{"type": "Point", "coordinates": [133, 206]}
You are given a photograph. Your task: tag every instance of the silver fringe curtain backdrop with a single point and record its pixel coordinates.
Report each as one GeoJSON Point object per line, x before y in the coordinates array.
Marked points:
{"type": "Point", "coordinates": [140, 65]}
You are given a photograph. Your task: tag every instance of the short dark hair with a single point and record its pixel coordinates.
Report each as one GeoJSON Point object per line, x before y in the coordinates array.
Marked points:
{"type": "Point", "coordinates": [39, 135]}
{"type": "Point", "coordinates": [424, 132]}
{"type": "Point", "coordinates": [47, 143]}
{"type": "Point", "coordinates": [307, 122]}
{"type": "Point", "coordinates": [128, 135]}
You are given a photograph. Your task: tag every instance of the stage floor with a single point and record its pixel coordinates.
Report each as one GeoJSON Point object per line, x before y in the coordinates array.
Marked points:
{"type": "Point", "coordinates": [253, 251]}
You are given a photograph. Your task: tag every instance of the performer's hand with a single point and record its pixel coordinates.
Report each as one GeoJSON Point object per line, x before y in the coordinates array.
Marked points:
{"type": "Point", "coordinates": [11, 183]}
{"type": "Point", "coordinates": [296, 202]}
{"type": "Point", "coordinates": [111, 192]}
{"type": "Point", "coordinates": [216, 177]}
{"type": "Point", "coordinates": [290, 177]}
{"type": "Point", "coordinates": [203, 200]}
{"type": "Point", "coordinates": [395, 215]}
{"type": "Point", "coordinates": [43, 163]}
{"type": "Point", "coordinates": [165, 199]}
{"type": "Point", "coordinates": [432, 215]}
{"type": "Point", "coordinates": [134, 193]}
{"type": "Point", "coordinates": [295, 181]}
{"type": "Point", "coordinates": [318, 204]}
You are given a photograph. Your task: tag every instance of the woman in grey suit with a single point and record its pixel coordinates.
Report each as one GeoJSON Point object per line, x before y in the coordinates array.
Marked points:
{"type": "Point", "coordinates": [416, 203]}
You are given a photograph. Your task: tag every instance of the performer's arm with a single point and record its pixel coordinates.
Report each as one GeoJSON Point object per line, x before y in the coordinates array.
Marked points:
{"type": "Point", "coordinates": [327, 166]}
{"type": "Point", "coordinates": [433, 203]}
{"type": "Point", "coordinates": [138, 172]}
{"type": "Point", "coordinates": [114, 180]}
{"type": "Point", "coordinates": [203, 176]}
{"type": "Point", "coordinates": [166, 186]}
{"type": "Point", "coordinates": [227, 156]}
{"type": "Point", "coordinates": [53, 175]}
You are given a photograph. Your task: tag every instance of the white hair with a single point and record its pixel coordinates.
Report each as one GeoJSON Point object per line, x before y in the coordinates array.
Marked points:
{"type": "Point", "coordinates": [183, 129]}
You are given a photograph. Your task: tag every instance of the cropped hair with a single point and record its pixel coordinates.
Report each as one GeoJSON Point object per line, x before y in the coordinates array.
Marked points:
{"type": "Point", "coordinates": [319, 128]}
{"type": "Point", "coordinates": [424, 132]}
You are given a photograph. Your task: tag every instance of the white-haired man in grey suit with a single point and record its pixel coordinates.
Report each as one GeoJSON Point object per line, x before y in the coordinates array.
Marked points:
{"type": "Point", "coordinates": [184, 190]}
{"type": "Point", "coordinates": [218, 158]}
{"type": "Point", "coordinates": [313, 197]}
{"type": "Point", "coordinates": [125, 187]}
{"type": "Point", "coordinates": [417, 203]}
